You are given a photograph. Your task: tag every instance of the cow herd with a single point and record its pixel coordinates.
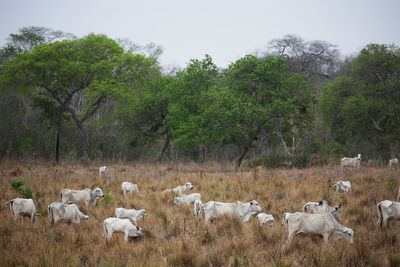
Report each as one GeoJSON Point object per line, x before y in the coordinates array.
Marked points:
{"type": "Point", "coordinates": [318, 218]}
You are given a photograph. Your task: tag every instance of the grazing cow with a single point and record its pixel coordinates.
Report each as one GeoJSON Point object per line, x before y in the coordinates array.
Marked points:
{"type": "Point", "coordinates": [88, 196]}
{"type": "Point", "coordinates": [243, 211]}
{"type": "Point", "coordinates": [102, 171]}
{"type": "Point", "coordinates": [351, 162]}
{"type": "Point", "coordinates": [197, 208]}
{"type": "Point", "coordinates": [179, 189]}
{"type": "Point", "coordinates": [187, 199]}
{"type": "Point", "coordinates": [22, 207]}
{"type": "Point", "coordinates": [125, 226]}
{"type": "Point", "coordinates": [129, 187]}
{"type": "Point", "coordinates": [132, 214]}
{"type": "Point", "coordinates": [393, 163]}
{"type": "Point", "coordinates": [68, 212]}
{"type": "Point", "coordinates": [320, 224]}
{"type": "Point", "coordinates": [388, 209]}
{"type": "Point", "coordinates": [321, 207]}
{"type": "Point", "coordinates": [342, 186]}
{"type": "Point", "coordinates": [264, 218]}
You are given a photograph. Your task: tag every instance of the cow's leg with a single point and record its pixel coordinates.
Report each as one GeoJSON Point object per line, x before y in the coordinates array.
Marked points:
{"type": "Point", "coordinates": [126, 236]}
{"type": "Point", "coordinates": [326, 237]}
{"type": "Point", "coordinates": [384, 220]}
{"type": "Point", "coordinates": [109, 233]}
{"type": "Point", "coordinates": [290, 237]}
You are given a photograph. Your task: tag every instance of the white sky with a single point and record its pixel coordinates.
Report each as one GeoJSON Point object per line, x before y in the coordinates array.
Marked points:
{"type": "Point", "coordinates": [224, 29]}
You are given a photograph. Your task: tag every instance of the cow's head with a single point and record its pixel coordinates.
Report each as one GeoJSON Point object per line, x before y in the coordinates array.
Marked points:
{"type": "Point", "coordinates": [177, 200]}
{"type": "Point", "coordinates": [188, 186]}
{"type": "Point", "coordinates": [359, 156]}
{"type": "Point", "coordinates": [348, 234]}
{"type": "Point", "coordinates": [255, 207]}
{"type": "Point", "coordinates": [136, 231]}
{"type": "Point", "coordinates": [98, 192]}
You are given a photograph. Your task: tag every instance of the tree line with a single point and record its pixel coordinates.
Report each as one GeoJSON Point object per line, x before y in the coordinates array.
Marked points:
{"type": "Point", "coordinates": [94, 98]}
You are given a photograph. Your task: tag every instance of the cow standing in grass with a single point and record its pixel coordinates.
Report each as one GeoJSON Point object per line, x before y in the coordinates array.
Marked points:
{"type": "Point", "coordinates": [318, 224]}
{"type": "Point", "coordinates": [87, 196]}
{"type": "Point", "coordinates": [351, 162]}
{"type": "Point", "coordinates": [22, 207]}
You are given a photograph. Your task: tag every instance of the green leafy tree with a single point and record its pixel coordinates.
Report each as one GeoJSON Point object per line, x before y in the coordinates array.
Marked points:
{"type": "Point", "coordinates": [60, 73]}
{"type": "Point", "coordinates": [363, 104]}
{"type": "Point", "coordinates": [284, 97]}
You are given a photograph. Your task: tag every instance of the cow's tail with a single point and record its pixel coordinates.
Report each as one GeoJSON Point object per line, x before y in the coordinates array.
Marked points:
{"type": "Point", "coordinates": [380, 218]}
{"type": "Point", "coordinates": [105, 228]}
{"type": "Point", "coordinates": [8, 202]}
{"type": "Point", "coordinates": [198, 205]}
{"type": "Point", "coordinates": [51, 216]}
{"type": "Point", "coordinates": [305, 207]}
{"type": "Point", "coordinates": [284, 220]}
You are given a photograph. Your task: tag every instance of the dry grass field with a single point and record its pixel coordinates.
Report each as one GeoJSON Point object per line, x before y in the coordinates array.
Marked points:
{"type": "Point", "coordinates": [172, 235]}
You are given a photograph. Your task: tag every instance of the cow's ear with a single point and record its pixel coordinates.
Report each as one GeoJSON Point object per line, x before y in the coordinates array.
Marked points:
{"type": "Point", "coordinates": [340, 205]}
{"type": "Point", "coordinates": [320, 203]}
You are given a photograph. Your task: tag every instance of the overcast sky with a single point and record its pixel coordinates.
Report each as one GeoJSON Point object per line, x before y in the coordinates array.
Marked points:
{"type": "Point", "coordinates": [224, 29]}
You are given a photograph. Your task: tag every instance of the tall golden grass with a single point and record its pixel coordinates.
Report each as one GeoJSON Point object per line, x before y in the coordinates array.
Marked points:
{"type": "Point", "coordinates": [172, 235]}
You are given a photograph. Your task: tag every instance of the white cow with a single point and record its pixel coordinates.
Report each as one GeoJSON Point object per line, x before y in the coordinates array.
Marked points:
{"type": "Point", "coordinates": [388, 209]}
{"type": "Point", "coordinates": [319, 224]}
{"type": "Point", "coordinates": [393, 163]}
{"type": "Point", "coordinates": [129, 187]}
{"type": "Point", "coordinates": [351, 162]}
{"type": "Point", "coordinates": [125, 226]}
{"type": "Point", "coordinates": [179, 189]}
{"type": "Point", "coordinates": [321, 207]}
{"type": "Point", "coordinates": [197, 208]}
{"type": "Point", "coordinates": [243, 211]}
{"type": "Point", "coordinates": [342, 186]}
{"type": "Point", "coordinates": [68, 212]}
{"type": "Point", "coordinates": [102, 171]}
{"type": "Point", "coordinates": [88, 196]}
{"type": "Point", "coordinates": [22, 207]}
{"type": "Point", "coordinates": [187, 199]}
{"type": "Point", "coordinates": [264, 218]}
{"type": "Point", "coordinates": [132, 214]}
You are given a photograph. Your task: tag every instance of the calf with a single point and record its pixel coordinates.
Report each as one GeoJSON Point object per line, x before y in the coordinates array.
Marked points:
{"type": "Point", "coordinates": [132, 214]}
{"type": "Point", "coordinates": [321, 207]}
{"type": "Point", "coordinates": [243, 211]}
{"type": "Point", "coordinates": [102, 171]}
{"type": "Point", "coordinates": [351, 162]}
{"type": "Point", "coordinates": [393, 163]}
{"type": "Point", "coordinates": [88, 196]}
{"type": "Point", "coordinates": [342, 186]}
{"type": "Point", "coordinates": [129, 187]}
{"type": "Point", "coordinates": [319, 224]}
{"type": "Point", "coordinates": [111, 225]}
{"type": "Point", "coordinates": [69, 212]}
{"type": "Point", "coordinates": [187, 199]}
{"type": "Point", "coordinates": [22, 207]}
{"type": "Point", "coordinates": [179, 189]}
{"type": "Point", "coordinates": [387, 209]}
{"type": "Point", "coordinates": [264, 218]}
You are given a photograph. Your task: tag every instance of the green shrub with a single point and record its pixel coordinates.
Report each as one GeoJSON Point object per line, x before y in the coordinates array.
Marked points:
{"type": "Point", "coordinates": [18, 184]}
{"type": "Point", "coordinates": [391, 184]}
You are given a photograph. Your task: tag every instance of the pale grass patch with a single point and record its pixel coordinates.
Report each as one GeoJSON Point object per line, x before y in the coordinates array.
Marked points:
{"type": "Point", "coordinates": [173, 237]}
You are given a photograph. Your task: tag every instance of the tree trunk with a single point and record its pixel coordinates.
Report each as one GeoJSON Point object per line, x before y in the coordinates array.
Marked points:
{"type": "Point", "coordinates": [57, 139]}
{"type": "Point", "coordinates": [165, 147]}
{"type": "Point", "coordinates": [239, 159]}
{"type": "Point", "coordinates": [84, 142]}
{"type": "Point", "coordinates": [57, 146]}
